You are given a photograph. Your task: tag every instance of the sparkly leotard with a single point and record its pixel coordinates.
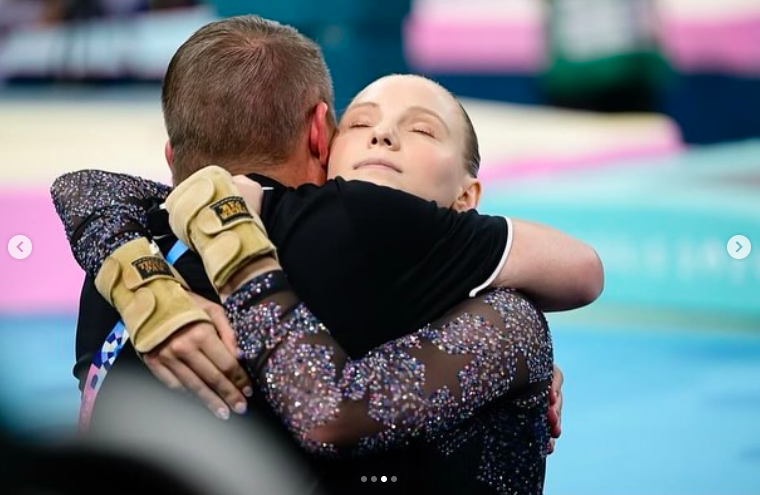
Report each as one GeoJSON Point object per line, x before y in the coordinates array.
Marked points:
{"type": "Point", "coordinates": [478, 375]}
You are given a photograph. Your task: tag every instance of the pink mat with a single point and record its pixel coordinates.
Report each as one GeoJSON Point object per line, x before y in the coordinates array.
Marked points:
{"type": "Point", "coordinates": [600, 158]}
{"type": "Point", "coordinates": [482, 46]}
{"type": "Point", "coordinates": [48, 280]}
{"type": "Point", "coordinates": [440, 44]}
{"type": "Point", "coordinates": [731, 45]}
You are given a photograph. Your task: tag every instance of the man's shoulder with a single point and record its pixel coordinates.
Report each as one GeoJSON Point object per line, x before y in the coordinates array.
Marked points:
{"type": "Point", "coordinates": [340, 187]}
{"type": "Point", "coordinates": [361, 190]}
{"type": "Point", "coordinates": [367, 198]}
{"type": "Point", "coordinates": [354, 201]}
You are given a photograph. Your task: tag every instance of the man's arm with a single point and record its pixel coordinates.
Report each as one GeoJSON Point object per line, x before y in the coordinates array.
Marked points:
{"type": "Point", "coordinates": [557, 271]}
{"type": "Point", "coordinates": [455, 255]}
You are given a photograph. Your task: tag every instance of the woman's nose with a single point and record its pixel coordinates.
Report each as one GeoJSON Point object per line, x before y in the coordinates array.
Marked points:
{"type": "Point", "coordinates": [383, 137]}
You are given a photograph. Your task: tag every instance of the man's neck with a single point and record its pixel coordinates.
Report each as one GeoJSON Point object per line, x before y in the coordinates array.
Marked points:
{"type": "Point", "coordinates": [288, 174]}
{"type": "Point", "coordinates": [293, 172]}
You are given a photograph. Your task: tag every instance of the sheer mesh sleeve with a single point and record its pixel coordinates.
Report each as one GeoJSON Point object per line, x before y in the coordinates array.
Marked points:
{"type": "Point", "coordinates": [101, 211]}
{"type": "Point", "coordinates": [415, 386]}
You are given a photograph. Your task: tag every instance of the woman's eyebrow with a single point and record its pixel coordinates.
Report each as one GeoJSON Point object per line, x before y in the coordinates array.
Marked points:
{"type": "Point", "coordinates": [419, 109]}
{"type": "Point", "coordinates": [363, 104]}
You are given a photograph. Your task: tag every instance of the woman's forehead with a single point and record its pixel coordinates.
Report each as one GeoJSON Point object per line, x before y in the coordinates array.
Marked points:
{"type": "Point", "coordinates": [403, 92]}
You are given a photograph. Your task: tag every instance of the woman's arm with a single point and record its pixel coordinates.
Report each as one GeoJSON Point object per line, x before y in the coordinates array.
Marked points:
{"type": "Point", "coordinates": [412, 386]}
{"type": "Point", "coordinates": [415, 386]}
{"type": "Point", "coordinates": [102, 211]}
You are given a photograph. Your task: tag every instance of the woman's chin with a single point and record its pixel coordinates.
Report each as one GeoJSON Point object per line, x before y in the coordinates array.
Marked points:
{"type": "Point", "coordinates": [382, 176]}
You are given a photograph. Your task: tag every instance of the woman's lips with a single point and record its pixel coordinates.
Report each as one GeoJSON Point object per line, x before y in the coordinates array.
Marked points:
{"type": "Point", "coordinates": [377, 162]}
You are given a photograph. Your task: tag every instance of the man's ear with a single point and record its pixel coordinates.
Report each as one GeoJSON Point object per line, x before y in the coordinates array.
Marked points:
{"type": "Point", "coordinates": [321, 131]}
{"type": "Point", "coordinates": [169, 153]}
{"type": "Point", "coordinates": [469, 195]}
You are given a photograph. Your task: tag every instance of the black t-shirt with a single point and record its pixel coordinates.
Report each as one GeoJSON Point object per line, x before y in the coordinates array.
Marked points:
{"type": "Point", "coordinates": [373, 263]}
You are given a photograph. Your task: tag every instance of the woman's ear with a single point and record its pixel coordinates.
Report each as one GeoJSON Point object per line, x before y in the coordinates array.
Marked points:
{"type": "Point", "coordinates": [320, 133]}
{"type": "Point", "coordinates": [469, 195]}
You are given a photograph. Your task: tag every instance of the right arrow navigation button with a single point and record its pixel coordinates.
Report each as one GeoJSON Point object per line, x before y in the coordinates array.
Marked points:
{"type": "Point", "coordinates": [739, 247]}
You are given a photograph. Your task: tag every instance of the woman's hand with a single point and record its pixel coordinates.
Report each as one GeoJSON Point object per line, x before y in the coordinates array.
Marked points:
{"type": "Point", "coordinates": [251, 191]}
{"type": "Point", "coordinates": [253, 194]}
{"type": "Point", "coordinates": [201, 358]}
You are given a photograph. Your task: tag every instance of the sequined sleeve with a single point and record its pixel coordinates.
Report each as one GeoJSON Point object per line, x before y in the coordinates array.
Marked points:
{"type": "Point", "coordinates": [101, 211]}
{"type": "Point", "coordinates": [416, 386]}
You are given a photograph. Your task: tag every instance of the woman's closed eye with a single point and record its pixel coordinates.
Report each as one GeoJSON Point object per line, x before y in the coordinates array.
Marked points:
{"type": "Point", "coordinates": [424, 130]}
{"type": "Point", "coordinates": [354, 125]}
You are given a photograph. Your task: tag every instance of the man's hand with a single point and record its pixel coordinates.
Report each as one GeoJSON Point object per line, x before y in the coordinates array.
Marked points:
{"type": "Point", "coordinates": [202, 358]}
{"type": "Point", "coordinates": [555, 406]}
{"type": "Point", "coordinates": [251, 191]}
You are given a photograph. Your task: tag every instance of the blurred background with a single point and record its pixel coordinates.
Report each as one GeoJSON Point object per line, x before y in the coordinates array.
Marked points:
{"type": "Point", "coordinates": [631, 124]}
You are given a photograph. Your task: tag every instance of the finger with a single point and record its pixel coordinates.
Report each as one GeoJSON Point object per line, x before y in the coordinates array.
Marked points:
{"type": "Point", "coordinates": [218, 353]}
{"type": "Point", "coordinates": [553, 420]}
{"type": "Point", "coordinates": [226, 333]}
{"type": "Point", "coordinates": [552, 416]}
{"type": "Point", "coordinates": [230, 367]}
{"type": "Point", "coordinates": [164, 375]}
{"type": "Point", "coordinates": [556, 426]}
{"type": "Point", "coordinates": [193, 383]}
{"type": "Point", "coordinates": [229, 339]}
{"type": "Point", "coordinates": [215, 379]}
{"type": "Point", "coordinates": [558, 378]}
{"type": "Point", "coordinates": [552, 444]}
{"type": "Point", "coordinates": [241, 179]}
{"type": "Point", "coordinates": [251, 192]}
{"type": "Point", "coordinates": [556, 431]}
